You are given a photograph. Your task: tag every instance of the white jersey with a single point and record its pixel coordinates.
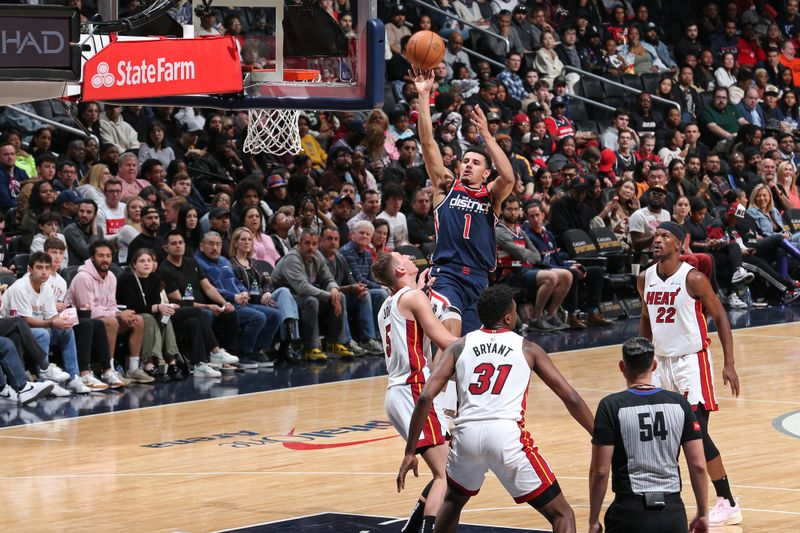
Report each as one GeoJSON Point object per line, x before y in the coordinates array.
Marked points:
{"type": "Point", "coordinates": [492, 377]}
{"type": "Point", "coordinates": [676, 319]}
{"type": "Point", "coordinates": [406, 348]}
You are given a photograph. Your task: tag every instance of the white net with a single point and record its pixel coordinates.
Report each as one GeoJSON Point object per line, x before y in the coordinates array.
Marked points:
{"type": "Point", "coordinates": [273, 131]}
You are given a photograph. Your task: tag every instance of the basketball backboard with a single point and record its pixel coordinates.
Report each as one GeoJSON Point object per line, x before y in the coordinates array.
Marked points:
{"type": "Point", "coordinates": [281, 39]}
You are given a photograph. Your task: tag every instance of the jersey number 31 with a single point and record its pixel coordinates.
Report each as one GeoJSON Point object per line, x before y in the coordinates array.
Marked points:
{"type": "Point", "coordinates": [485, 373]}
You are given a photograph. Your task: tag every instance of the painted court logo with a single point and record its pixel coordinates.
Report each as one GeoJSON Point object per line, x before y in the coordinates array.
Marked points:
{"type": "Point", "coordinates": [321, 439]}
{"type": "Point", "coordinates": [788, 424]}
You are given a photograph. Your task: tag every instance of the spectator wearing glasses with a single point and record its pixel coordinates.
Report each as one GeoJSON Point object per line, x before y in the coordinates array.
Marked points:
{"type": "Point", "coordinates": [721, 118]}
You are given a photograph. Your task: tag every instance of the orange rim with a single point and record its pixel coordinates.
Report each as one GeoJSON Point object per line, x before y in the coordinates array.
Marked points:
{"type": "Point", "coordinates": [292, 74]}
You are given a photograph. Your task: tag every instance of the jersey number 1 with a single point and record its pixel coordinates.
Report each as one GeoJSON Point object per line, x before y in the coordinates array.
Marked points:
{"type": "Point", "coordinates": [467, 224]}
{"type": "Point", "coordinates": [485, 372]}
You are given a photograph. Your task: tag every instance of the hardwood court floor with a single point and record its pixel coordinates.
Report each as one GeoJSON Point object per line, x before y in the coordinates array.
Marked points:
{"type": "Point", "coordinates": [234, 461]}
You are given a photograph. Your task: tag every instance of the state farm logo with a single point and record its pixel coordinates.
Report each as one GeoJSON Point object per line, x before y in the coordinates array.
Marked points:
{"type": "Point", "coordinates": [103, 78]}
{"type": "Point", "coordinates": [144, 73]}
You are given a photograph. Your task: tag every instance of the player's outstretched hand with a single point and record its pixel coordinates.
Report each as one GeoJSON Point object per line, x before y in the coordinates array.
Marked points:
{"type": "Point", "coordinates": [478, 120]}
{"type": "Point", "coordinates": [729, 376]}
{"type": "Point", "coordinates": [409, 463]}
{"type": "Point", "coordinates": [699, 524]}
{"type": "Point", "coordinates": [423, 79]}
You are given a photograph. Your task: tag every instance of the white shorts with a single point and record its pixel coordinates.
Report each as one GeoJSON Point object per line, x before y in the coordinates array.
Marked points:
{"type": "Point", "coordinates": [691, 375]}
{"type": "Point", "coordinates": [400, 402]}
{"type": "Point", "coordinates": [502, 447]}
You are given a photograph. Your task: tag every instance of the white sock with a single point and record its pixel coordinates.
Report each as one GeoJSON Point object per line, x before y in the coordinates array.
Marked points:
{"type": "Point", "coordinates": [133, 363]}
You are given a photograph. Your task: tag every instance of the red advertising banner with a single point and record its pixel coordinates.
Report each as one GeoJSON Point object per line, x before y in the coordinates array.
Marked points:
{"type": "Point", "coordinates": [164, 67]}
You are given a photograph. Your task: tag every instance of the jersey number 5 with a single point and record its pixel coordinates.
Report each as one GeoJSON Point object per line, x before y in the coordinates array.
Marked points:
{"type": "Point", "coordinates": [485, 372]}
{"type": "Point", "coordinates": [388, 340]}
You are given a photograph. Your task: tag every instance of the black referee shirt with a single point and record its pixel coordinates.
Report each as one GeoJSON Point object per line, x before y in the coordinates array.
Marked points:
{"type": "Point", "coordinates": [646, 428]}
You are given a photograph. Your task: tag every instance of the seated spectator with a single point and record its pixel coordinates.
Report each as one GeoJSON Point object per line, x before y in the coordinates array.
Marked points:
{"type": "Point", "coordinates": [727, 255]}
{"type": "Point", "coordinates": [643, 222]}
{"type": "Point", "coordinates": [95, 288]}
{"type": "Point", "coordinates": [571, 210]}
{"type": "Point", "coordinates": [256, 276]}
{"type": "Point", "coordinates": [114, 130]}
{"type": "Point", "coordinates": [181, 184]}
{"type": "Point", "coordinates": [640, 54]}
{"type": "Point", "coordinates": [85, 232]}
{"type": "Point", "coordinates": [520, 265]}
{"type": "Point", "coordinates": [67, 177]}
{"type": "Point", "coordinates": [131, 229]}
{"type": "Point", "coordinates": [306, 274]}
{"type": "Point", "coordinates": [221, 200]}
{"type": "Point", "coordinates": [30, 299]}
{"type": "Point", "coordinates": [276, 192]}
{"type": "Point", "coordinates": [49, 225]}
{"type": "Point", "coordinates": [189, 225]}
{"type": "Point", "coordinates": [139, 289]}
{"type": "Point", "coordinates": [727, 72]}
{"type": "Point", "coordinates": [367, 302]}
{"type": "Point", "coordinates": [547, 62]}
{"type": "Point", "coordinates": [16, 387]}
{"type": "Point", "coordinates": [111, 212]}
{"type": "Point", "coordinates": [93, 184]}
{"type": "Point", "coordinates": [379, 238]}
{"type": "Point", "coordinates": [392, 205]}
{"type": "Point", "coordinates": [264, 246]}
{"type": "Point", "coordinates": [155, 145]}
{"type": "Point", "coordinates": [91, 340]}
{"type": "Point", "coordinates": [421, 225]}
{"type": "Point", "coordinates": [250, 193]}
{"type": "Point", "coordinates": [149, 222]}
{"type": "Point", "coordinates": [67, 207]}
{"type": "Point", "coordinates": [584, 277]}
{"type": "Point", "coordinates": [721, 118]}
{"type": "Point", "coordinates": [42, 200]}
{"type": "Point", "coordinates": [186, 284]}
{"type": "Point", "coordinates": [258, 322]}
{"type": "Point", "coordinates": [128, 172]}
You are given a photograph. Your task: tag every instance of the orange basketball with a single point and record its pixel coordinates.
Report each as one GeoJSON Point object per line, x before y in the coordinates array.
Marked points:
{"type": "Point", "coordinates": [425, 49]}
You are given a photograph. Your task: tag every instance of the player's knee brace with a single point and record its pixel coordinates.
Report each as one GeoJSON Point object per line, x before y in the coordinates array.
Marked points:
{"type": "Point", "coordinates": [709, 448]}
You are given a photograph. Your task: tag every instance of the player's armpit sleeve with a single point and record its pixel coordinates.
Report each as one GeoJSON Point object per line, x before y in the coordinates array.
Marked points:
{"type": "Point", "coordinates": [603, 434]}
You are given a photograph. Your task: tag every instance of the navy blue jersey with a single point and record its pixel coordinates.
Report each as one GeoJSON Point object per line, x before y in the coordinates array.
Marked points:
{"type": "Point", "coordinates": [465, 224]}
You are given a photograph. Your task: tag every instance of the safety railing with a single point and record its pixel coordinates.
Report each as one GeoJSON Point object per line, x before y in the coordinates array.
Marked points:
{"type": "Point", "coordinates": [591, 102]}
{"type": "Point", "coordinates": [435, 9]}
{"type": "Point", "coordinates": [53, 123]}
{"type": "Point", "coordinates": [619, 85]}
{"type": "Point", "coordinates": [483, 57]}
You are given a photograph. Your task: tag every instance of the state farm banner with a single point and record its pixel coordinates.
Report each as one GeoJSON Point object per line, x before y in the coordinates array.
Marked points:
{"type": "Point", "coordinates": [165, 67]}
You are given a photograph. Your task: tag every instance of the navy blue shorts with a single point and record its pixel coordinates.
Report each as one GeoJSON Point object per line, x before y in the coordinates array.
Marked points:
{"type": "Point", "coordinates": [455, 291]}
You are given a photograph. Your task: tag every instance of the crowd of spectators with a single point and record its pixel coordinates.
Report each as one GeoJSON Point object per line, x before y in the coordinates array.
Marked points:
{"type": "Point", "coordinates": [162, 231]}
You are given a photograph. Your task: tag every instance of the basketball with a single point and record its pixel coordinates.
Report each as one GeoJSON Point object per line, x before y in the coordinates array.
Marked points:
{"type": "Point", "coordinates": [425, 49]}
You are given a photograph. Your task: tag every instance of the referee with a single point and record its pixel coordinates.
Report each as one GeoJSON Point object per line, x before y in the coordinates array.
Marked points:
{"type": "Point", "coordinates": [638, 432]}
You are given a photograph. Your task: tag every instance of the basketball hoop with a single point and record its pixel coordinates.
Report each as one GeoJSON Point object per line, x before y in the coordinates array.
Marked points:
{"type": "Point", "coordinates": [275, 131]}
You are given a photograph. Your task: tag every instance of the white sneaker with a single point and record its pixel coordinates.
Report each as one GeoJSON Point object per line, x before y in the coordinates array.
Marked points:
{"type": "Point", "coordinates": [58, 390]}
{"type": "Point", "coordinates": [76, 385]}
{"type": "Point", "coordinates": [740, 275]}
{"type": "Point", "coordinates": [34, 390]}
{"type": "Point", "coordinates": [53, 373]}
{"type": "Point", "coordinates": [8, 394]}
{"type": "Point", "coordinates": [114, 380]}
{"type": "Point", "coordinates": [222, 357]}
{"type": "Point", "coordinates": [735, 302]}
{"type": "Point", "coordinates": [723, 514]}
{"type": "Point", "coordinates": [92, 382]}
{"type": "Point", "coordinates": [204, 371]}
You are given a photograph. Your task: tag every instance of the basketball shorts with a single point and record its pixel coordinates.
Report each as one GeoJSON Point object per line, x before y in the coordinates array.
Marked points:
{"type": "Point", "coordinates": [502, 447]}
{"type": "Point", "coordinates": [691, 375]}
{"type": "Point", "coordinates": [454, 294]}
{"type": "Point", "coordinates": [400, 402]}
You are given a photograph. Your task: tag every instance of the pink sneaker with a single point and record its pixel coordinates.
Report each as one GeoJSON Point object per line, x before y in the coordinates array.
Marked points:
{"type": "Point", "coordinates": [722, 514]}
